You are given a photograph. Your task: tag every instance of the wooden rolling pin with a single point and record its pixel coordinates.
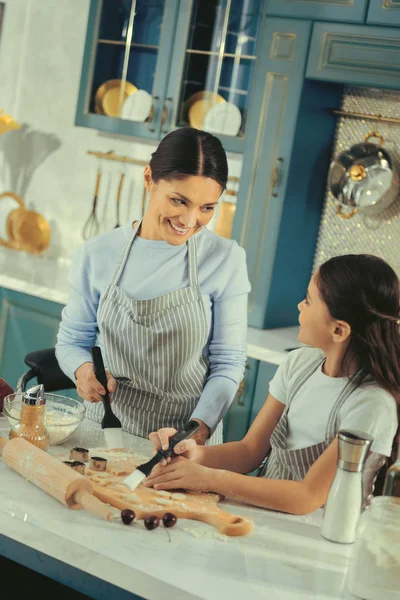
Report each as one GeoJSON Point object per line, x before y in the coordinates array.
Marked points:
{"type": "Point", "coordinates": [51, 476]}
{"type": "Point", "coordinates": [225, 522]}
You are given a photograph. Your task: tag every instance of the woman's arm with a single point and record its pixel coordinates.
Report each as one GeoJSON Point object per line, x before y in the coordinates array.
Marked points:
{"type": "Point", "coordinates": [295, 497]}
{"type": "Point", "coordinates": [228, 345]}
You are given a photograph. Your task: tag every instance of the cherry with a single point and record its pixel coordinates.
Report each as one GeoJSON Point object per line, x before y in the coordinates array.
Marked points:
{"type": "Point", "coordinates": [127, 516]}
{"type": "Point", "coordinates": [151, 522]}
{"type": "Point", "coordinates": [169, 520]}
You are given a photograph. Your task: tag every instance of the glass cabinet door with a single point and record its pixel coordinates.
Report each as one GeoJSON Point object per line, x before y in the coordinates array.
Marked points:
{"type": "Point", "coordinates": [128, 54]}
{"type": "Point", "coordinates": [216, 71]}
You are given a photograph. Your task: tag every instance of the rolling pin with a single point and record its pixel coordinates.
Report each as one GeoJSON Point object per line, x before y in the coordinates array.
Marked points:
{"type": "Point", "coordinates": [51, 476]}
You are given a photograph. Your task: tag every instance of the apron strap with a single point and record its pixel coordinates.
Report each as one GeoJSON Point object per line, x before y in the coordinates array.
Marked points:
{"type": "Point", "coordinates": [125, 254]}
{"type": "Point", "coordinates": [192, 258]}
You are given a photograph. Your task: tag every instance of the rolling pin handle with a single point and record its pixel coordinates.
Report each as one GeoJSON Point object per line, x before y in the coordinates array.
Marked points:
{"type": "Point", "coordinates": [93, 505]}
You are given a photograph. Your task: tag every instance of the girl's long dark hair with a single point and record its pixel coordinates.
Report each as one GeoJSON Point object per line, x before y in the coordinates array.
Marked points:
{"type": "Point", "coordinates": [189, 151]}
{"type": "Point", "coordinates": [364, 291]}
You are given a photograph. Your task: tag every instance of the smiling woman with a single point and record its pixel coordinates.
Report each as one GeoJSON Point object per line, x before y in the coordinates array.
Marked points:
{"type": "Point", "coordinates": [165, 298]}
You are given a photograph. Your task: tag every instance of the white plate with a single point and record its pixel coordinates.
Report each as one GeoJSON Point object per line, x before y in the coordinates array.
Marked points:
{"type": "Point", "coordinates": [223, 118]}
{"type": "Point", "coordinates": [137, 107]}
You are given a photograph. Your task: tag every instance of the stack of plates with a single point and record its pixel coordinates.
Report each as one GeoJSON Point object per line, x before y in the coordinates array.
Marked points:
{"type": "Point", "coordinates": [210, 111]}
{"type": "Point", "coordinates": [107, 96]}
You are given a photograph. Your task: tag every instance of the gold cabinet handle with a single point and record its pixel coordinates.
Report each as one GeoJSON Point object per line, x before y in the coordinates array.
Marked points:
{"type": "Point", "coordinates": [241, 388]}
{"type": "Point", "coordinates": [345, 215]}
{"type": "Point", "coordinates": [276, 176]}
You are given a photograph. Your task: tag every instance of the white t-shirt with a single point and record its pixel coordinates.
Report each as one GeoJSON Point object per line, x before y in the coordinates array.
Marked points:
{"type": "Point", "coordinates": [369, 408]}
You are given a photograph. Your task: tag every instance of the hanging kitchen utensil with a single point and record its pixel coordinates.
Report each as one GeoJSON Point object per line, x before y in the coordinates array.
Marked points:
{"type": "Point", "coordinates": [91, 227]}
{"type": "Point", "coordinates": [119, 198]}
{"type": "Point", "coordinates": [363, 178]}
{"type": "Point", "coordinates": [26, 229]}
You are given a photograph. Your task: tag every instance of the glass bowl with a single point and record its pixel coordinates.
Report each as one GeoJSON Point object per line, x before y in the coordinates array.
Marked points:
{"type": "Point", "coordinates": [63, 415]}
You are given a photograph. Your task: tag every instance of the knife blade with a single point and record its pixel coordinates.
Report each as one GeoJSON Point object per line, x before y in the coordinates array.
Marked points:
{"type": "Point", "coordinates": [110, 423]}
{"type": "Point", "coordinates": [141, 472]}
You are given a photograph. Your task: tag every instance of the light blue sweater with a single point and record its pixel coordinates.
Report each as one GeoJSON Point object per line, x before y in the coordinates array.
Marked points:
{"type": "Point", "coordinates": [154, 268]}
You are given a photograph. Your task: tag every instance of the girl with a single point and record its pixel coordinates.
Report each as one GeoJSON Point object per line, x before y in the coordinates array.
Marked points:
{"type": "Point", "coordinates": [347, 377]}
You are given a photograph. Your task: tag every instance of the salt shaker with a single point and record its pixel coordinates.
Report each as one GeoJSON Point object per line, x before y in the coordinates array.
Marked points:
{"type": "Point", "coordinates": [344, 502]}
{"type": "Point", "coordinates": [31, 421]}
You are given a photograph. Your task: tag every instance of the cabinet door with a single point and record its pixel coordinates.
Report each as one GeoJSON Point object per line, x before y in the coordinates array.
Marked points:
{"type": "Point", "coordinates": [384, 12]}
{"type": "Point", "coordinates": [351, 11]}
{"type": "Point", "coordinates": [236, 421]}
{"type": "Point", "coordinates": [128, 50]}
{"type": "Point", "coordinates": [271, 127]}
{"type": "Point", "coordinates": [266, 371]}
{"type": "Point", "coordinates": [213, 66]}
{"type": "Point", "coordinates": [26, 324]}
{"type": "Point", "coordinates": [356, 55]}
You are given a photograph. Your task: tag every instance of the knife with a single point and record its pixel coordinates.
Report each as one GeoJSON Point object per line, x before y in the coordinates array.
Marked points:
{"type": "Point", "coordinates": [141, 472]}
{"type": "Point", "coordinates": [110, 424]}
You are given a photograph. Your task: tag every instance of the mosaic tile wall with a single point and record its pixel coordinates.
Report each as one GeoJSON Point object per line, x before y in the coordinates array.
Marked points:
{"type": "Point", "coordinates": [379, 235]}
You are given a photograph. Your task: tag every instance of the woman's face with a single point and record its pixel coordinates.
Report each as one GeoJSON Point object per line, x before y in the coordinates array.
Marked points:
{"type": "Point", "coordinates": [179, 208]}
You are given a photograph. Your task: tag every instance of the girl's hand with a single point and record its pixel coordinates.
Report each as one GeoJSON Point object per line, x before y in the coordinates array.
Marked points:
{"type": "Point", "coordinates": [181, 473]}
{"type": "Point", "coordinates": [186, 448]}
{"type": "Point", "coordinates": [89, 388]}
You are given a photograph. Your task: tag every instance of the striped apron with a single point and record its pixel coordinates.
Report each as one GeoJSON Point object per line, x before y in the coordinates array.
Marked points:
{"type": "Point", "coordinates": [154, 349]}
{"type": "Point", "coordinates": [294, 464]}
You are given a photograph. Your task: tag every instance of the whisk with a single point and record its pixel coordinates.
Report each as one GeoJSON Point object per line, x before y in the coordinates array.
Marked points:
{"type": "Point", "coordinates": [92, 225]}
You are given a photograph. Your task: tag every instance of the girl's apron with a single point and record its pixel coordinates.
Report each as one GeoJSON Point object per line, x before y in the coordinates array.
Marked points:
{"type": "Point", "coordinates": [154, 349]}
{"type": "Point", "coordinates": [294, 464]}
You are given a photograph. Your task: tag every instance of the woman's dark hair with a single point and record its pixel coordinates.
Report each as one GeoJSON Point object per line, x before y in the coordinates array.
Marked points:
{"type": "Point", "coordinates": [364, 291]}
{"type": "Point", "coordinates": [189, 151]}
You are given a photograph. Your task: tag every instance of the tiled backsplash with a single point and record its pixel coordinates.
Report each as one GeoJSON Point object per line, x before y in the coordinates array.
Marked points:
{"type": "Point", "coordinates": [379, 235]}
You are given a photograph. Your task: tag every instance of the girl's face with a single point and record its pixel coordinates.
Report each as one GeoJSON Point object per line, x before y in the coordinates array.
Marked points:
{"type": "Point", "coordinates": [317, 327]}
{"type": "Point", "coordinates": [179, 208]}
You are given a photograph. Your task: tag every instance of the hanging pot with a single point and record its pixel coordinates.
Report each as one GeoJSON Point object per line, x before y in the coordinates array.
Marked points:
{"type": "Point", "coordinates": [26, 229]}
{"type": "Point", "coordinates": [362, 178]}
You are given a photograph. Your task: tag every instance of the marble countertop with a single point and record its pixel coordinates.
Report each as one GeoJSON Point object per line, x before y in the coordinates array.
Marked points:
{"type": "Point", "coordinates": [284, 557]}
{"type": "Point", "coordinates": [48, 279]}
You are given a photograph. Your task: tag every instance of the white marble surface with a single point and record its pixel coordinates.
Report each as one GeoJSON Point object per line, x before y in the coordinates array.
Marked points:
{"type": "Point", "coordinates": [284, 558]}
{"type": "Point", "coordinates": [48, 278]}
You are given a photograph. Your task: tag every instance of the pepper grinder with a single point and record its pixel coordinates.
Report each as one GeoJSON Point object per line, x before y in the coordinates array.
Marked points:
{"type": "Point", "coordinates": [344, 502]}
{"type": "Point", "coordinates": [31, 421]}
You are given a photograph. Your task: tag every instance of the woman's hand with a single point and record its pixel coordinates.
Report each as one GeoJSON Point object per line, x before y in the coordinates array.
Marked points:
{"type": "Point", "coordinates": [186, 448]}
{"type": "Point", "coordinates": [89, 388]}
{"type": "Point", "coordinates": [181, 473]}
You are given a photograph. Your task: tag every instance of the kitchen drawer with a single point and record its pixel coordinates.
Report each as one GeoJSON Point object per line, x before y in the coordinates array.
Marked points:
{"type": "Point", "coordinates": [356, 55]}
{"type": "Point", "coordinates": [349, 11]}
{"type": "Point", "coordinates": [384, 12]}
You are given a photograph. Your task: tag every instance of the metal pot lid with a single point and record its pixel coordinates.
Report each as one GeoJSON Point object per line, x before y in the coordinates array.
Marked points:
{"type": "Point", "coordinates": [361, 176]}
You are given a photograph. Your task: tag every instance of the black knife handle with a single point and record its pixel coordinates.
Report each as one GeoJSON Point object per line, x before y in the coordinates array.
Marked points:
{"type": "Point", "coordinates": [189, 429]}
{"type": "Point", "coordinates": [98, 366]}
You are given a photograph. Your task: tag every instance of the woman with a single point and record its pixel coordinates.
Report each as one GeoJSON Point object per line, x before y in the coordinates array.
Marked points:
{"type": "Point", "coordinates": [349, 378]}
{"type": "Point", "coordinates": [168, 299]}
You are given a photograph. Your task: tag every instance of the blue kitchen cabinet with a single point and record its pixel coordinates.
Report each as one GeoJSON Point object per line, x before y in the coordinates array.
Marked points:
{"type": "Point", "coordinates": [237, 419]}
{"type": "Point", "coordinates": [355, 55]}
{"type": "Point", "coordinates": [128, 43]}
{"type": "Point", "coordinates": [384, 12]}
{"type": "Point", "coordinates": [350, 11]}
{"type": "Point", "coordinates": [27, 324]}
{"type": "Point", "coordinates": [279, 81]}
{"type": "Point", "coordinates": [195, 59]}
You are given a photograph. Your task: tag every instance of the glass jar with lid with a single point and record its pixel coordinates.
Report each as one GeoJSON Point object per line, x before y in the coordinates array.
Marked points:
{"type": "Point", "coordinates": [374, 570]}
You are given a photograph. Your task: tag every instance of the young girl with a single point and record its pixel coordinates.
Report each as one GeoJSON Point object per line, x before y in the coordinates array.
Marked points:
{"type": "Point", "coordinates": [347, 377]}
